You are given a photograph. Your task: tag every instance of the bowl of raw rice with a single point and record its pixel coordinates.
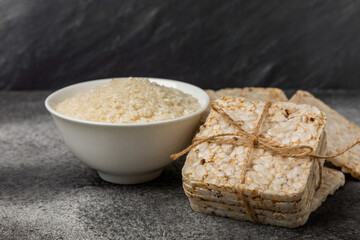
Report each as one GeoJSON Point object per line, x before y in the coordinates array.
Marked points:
{"type": "Point", "coordinates": [126, 128]}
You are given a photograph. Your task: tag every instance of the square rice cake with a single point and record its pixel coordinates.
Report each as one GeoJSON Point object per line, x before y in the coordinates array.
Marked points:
{"type": "Point", "coordinates": [251, 93]}
{"type": "Point", "coordinates": [340, 133]}
{"type": "Point", "coordinates": [217, 195]}
{"type": "Point", "coordinates": [256, 202]}
{"type": "Point", "coordinates": [219, 166]}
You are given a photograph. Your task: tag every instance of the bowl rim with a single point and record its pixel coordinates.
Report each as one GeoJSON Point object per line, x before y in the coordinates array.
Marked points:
{"type": "Point", "coordinates": [60, 115]}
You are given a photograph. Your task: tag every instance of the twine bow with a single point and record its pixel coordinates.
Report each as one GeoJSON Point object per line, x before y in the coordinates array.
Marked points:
{"type": "Point", "coordinates": [253, 140]}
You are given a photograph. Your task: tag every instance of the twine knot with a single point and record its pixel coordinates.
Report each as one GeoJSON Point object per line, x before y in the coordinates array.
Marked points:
{"type": "Point", "coordinates": [255, 140]}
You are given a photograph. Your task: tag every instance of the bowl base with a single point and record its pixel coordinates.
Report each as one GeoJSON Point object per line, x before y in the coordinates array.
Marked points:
{"type": "Point", "coordinates": [130, 179]}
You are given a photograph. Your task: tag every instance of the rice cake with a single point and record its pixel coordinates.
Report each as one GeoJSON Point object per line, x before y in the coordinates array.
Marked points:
{"type": "Point", "coordinates": [231, 197]}
{"type": "Point", "coordinates": [249, 93]}
{"type": "Point", "coordinates": [271, 177]}
{"type": "Point", "coordinates": [255, 203]}
{"type": "Point", "coordinates": [341, 132]}
{"type": "Point", "coordinates": [252, 93]}
{"type": "Point", "coordinates": [212, 94]}
{"type": "Point", "coordinates": [331, 181]}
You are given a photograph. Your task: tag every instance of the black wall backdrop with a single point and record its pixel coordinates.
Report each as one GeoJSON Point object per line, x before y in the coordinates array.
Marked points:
{"type": "Point", "coordinates": [213, 44]}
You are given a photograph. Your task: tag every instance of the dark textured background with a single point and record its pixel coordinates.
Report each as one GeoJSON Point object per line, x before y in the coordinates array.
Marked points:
{"type": "Point", "coordinates": [214, 44]}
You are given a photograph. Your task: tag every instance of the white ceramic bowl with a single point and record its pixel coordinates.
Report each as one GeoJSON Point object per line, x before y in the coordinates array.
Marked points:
{"type": "Point", "coordinates": [126, 153]}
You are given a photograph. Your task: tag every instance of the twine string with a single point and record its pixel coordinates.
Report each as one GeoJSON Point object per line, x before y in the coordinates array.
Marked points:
{"type": "Point", "coordinates": [247, 161]}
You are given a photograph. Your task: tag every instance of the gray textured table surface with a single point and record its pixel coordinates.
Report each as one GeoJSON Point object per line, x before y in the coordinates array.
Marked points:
{"type": "Point", "coordinates": [46, 193]}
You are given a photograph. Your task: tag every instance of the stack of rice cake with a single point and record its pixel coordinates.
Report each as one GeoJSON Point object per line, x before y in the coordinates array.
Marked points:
{"type": "Point", "coordinates": [279, 190]}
